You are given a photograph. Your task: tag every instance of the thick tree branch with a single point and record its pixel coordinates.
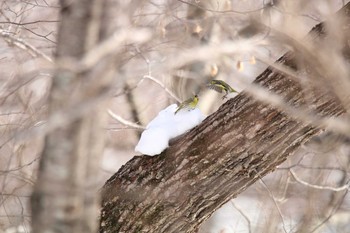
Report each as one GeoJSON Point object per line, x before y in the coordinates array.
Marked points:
{"type": "Point", "coordinates": [214, 162]}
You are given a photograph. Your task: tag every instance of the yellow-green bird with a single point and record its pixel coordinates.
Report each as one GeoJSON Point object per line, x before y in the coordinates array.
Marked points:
{"type": "Point", "coordinates": [220, 86]}
{"type": "Point", "coordinates": [188, 104]}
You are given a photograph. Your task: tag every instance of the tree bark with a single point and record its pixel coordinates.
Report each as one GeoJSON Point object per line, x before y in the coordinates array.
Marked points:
{"type": "Point", "coordinates": [65, 197]}
{"type": "Point", "coordinates": [214, 162]}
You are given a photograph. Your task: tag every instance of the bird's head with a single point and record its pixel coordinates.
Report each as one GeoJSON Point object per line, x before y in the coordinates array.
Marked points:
{"type": "Point", "coordinates": [195, 98]}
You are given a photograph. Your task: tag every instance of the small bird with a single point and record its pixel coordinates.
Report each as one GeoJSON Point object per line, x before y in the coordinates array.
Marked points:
{"type": "Point", "coordinates": [220, 86]}
{"type": "Point", "coordinates": [189, 104]}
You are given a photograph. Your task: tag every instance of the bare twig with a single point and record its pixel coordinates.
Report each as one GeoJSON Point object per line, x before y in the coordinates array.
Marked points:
{"type": "Point", "coordinates": [113, 44]}
{"type": "Point", "coordinates": [123, 121]}
{"type": "Point", "coordinates": [163, 86]}
{"type": "Point", "coordinates": [334, 189]}
{"type": "Point", "coordinates": [337, 125]}
{"type": "Point", "coordinates": [29, 23]}
{"type": "Point", "coordinates": [243, 214]}
{"type": "Point", "coordinates": [220, 11]}
{"type": "Point", "coordinates": [20, 167]}
{"type": "Point", "coordinates": [171, 94]}
{"type": "Point", "coordinates": [334, 210]}
{"type": "Point", "coordinates": [274, 201]}
{"type": "Point", "coordinates": [22, 44]}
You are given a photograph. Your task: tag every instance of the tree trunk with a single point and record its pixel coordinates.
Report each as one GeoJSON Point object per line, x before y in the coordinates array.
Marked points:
{"type": "Point", "coordinates": [65, 196]}
{"type": "Point", "coordinates": [214, 162]}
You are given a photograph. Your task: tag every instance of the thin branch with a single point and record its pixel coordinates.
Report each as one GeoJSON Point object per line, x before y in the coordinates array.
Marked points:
{"type": "Point", "coordinates": [113, 44]}
{"type": "Point", "coordinates": [123, 121]}
{"type": "Point", "coordinates": [281, 68]}
{"type": "Point", "coordinates": [275, 202]}
{"type": "Point", "coordinates": [221, 11]}
{"type": "Point", "coordinates": [19, 167]}
{"type": "Point", "coordinates": [22, 44]}
{"type": "Point", "coordinates": [28, 23]}
{"type": "Point", "coordinates": [124, 92]}
{"type": "Point", "coordinates": [243, 214]}
{"type": "Point", "coordinates": [312, 168]}
{"type": "Point", "coordinates": [338, 124]}
{"type": "Point", "coordinates": [109, 46]}
{"type": "Point", "coordinates": [331, 214]}
{"type": "Point", "coordinates": [314, 18]}
{"type": "Point", "coordinates": [59, 118]}
{"type": "Point", "coordinates": [42, 36]}
{"type": "Point", "coordinates": [335, 189]}
{"type": "Point", "coordinates": [163, 86]}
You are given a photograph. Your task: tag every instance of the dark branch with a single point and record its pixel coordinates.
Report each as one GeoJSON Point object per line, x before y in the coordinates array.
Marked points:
{"type": "Point", "coordinates": [214, 162]}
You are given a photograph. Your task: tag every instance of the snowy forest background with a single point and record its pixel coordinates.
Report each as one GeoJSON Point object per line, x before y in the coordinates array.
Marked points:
{"type": "Point", "coordinates": [174, 49]}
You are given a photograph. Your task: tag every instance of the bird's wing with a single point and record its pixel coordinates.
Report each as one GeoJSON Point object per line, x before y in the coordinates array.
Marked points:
{"type": "Point", "coordinates": [215, 88]}
{"type": "Point", "coordinates": [231, 89]}
{"type": "Point", "coordinates": [184, 105]}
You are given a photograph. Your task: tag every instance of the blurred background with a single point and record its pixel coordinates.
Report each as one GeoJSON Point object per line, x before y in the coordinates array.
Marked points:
{"type": "Point", "coordinates": [307, 193]}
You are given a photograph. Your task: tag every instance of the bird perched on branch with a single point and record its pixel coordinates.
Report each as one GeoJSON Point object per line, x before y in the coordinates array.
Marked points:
{"type": "Point", "coordinates": [188, 104]}
{"type": "Point", "coordinates": [220, 86]}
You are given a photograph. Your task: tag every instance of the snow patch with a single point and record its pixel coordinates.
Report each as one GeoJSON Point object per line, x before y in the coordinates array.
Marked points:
{"type": "Point", "coordinates": [165, 126]}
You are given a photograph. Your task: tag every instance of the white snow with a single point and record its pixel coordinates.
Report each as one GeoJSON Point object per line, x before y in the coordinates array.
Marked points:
{"type": "Point", "coordinates": [165, 126]}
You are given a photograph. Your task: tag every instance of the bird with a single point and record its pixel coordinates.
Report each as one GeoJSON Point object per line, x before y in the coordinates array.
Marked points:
{"type": "Point", "coordinates": [189, 104]}
{"type": "Point", "coordinates": [220, 86]}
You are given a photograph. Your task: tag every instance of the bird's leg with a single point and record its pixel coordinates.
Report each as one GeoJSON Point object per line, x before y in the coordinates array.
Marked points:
{"type": "Point", "coordinates": [225, 96]}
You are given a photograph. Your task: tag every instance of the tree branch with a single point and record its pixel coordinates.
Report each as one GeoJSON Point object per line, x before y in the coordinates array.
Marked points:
{"type": "Point", "coordinates": [214, 162]}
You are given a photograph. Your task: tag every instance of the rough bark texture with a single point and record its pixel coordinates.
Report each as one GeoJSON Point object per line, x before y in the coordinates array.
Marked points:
{"type": "Point", "coordinates": [65, 196]}
{"type": "Point", "coordinates": [234, 147]}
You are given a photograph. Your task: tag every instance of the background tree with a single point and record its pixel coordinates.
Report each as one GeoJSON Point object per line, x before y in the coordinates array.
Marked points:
{"type": "Point", "coordinates": [64, 198]}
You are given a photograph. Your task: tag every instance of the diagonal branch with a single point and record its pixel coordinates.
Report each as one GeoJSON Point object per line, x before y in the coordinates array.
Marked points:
{"type": "Point", "coordinates": [22, 44]}
{"type": "Point", "coordinates": [229, 151]}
